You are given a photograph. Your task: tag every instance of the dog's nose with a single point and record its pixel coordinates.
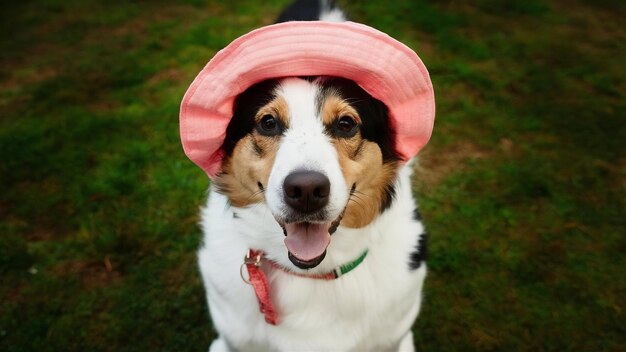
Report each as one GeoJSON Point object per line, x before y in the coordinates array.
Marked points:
{"type": "Point", "coordinates": [306, 191]}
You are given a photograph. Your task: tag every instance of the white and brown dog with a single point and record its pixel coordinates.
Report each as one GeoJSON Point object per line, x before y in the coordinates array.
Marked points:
{"type": "Point", "coordinates": [312, 239]}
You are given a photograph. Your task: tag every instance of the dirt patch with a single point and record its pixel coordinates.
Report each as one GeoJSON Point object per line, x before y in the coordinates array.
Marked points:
{"type": "Point", "coordinates": [91, 273]}
{"type": "Point", "coordinates": [484, 340]}
{"type": "Point", "coordinates": [13, 296]}
{"type": "Point", "coordinates": [435, 164]}
{"type": "Point", "coordinates": [171, 75]}
{"type": "Point", "coordinates": [21, 77]}
{"type": "Point", "coordinates": [43, 234]}
{"type": "Point", "coordinates": [182, 274]}
{"type": "Point", "coordinates": [621, 173]}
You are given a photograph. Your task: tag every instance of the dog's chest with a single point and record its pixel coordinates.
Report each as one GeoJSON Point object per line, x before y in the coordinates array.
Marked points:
{"type": "Point", "coordinates": [367, 307]}
{"type": "Point", "coordinates": [368, 291]}
{"type": "Point", "coordinates": [372, 306]}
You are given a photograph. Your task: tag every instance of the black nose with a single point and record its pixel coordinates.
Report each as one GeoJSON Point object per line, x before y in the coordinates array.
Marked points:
{"type": "Point", "coordinates": [306, 191]}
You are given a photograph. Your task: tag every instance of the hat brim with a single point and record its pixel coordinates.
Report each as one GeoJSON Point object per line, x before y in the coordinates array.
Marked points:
{"type": "Point", "coordinates": [384, 67]}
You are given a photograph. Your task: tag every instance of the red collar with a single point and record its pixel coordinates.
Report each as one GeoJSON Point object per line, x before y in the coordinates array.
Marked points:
{"type": "Point", "coordinates": [258, 279]}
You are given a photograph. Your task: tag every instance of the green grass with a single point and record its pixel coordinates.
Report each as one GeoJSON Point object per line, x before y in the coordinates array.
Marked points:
{"type": "Point", "coordinates": [523, 186]}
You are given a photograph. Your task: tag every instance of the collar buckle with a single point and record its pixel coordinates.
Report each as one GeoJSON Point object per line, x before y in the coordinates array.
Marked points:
{"type": "Point", "coordinates": [251, 258]}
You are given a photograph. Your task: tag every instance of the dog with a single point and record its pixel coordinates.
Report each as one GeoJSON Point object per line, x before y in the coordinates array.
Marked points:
{"type": "Point", "coordinates": [312, 238]}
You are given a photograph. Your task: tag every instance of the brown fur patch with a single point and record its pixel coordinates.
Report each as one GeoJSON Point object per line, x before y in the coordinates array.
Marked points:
{"type": "Point", "coordinates": [251, 161]}
{"type": "Point", "coordinates": [246, 168]}
{"type": "Point", "coordinates": [278, 108]}
{"type": "Point", "coordinates": [372, 179]}
{"type": "Point", "coordinates": [334, 107]}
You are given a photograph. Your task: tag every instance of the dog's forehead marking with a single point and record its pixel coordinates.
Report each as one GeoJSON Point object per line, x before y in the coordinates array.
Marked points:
{"type": "Point", "coordinates": [300, 96]}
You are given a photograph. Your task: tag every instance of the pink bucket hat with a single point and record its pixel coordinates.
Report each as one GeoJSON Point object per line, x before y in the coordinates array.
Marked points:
{"type": "Point", "coordinates": [385, 68]}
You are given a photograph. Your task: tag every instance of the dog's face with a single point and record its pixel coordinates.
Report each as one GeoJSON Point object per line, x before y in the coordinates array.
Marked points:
{"type": "Point", "coordinates": [318, 151]}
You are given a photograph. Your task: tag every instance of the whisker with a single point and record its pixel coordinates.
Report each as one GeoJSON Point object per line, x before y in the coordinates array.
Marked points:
{"type": "Point", "coordinates": [358, 204]}
{"type": "Point", "coordinates": [361, 193]}
{"type": "Point", "coordinates": [356, 200]}
{"type": "Point", "coordinates": [356, 196]}
{"type": "Point", "coordinates": [254, 194]}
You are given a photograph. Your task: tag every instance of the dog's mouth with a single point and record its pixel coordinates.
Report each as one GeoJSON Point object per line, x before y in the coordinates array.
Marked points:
{"type": "Point", "coordinates": [307, 241]}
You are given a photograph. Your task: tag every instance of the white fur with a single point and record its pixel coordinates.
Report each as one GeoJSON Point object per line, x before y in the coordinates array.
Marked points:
{"type": "Point", "coordinates": [305, 147]}
{"type": "Point", "coordinates": [372, 308]}
{"type": "Point", "coordinates": [329, 14]}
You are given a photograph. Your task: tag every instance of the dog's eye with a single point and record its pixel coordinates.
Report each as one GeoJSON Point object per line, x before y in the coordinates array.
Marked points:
{"type": "Point", "coordinates": [269, 126]}
{"type": "Point", "coordinates": [345, 127]}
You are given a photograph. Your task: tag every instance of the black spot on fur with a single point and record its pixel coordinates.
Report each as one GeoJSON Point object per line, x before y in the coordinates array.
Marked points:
{"type": "Point", "coordinates": [257, 149]}
{"type": "Point", "coordinates": [420, 254]}
{"type": "Point", "coordinates": [305, 10]}
{"type": "Point", "coordinates": [375, 124]}
{"type": "Point", "coordinates": [417, 215]}
{"type": "Point", "coordinates": [235, 215]}
{"type": "Point", "coordinates": [245, 108]}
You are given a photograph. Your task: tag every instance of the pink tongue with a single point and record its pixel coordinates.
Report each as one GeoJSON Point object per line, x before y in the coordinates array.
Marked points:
{"type": "Point", "coordinates": [307, 241]}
